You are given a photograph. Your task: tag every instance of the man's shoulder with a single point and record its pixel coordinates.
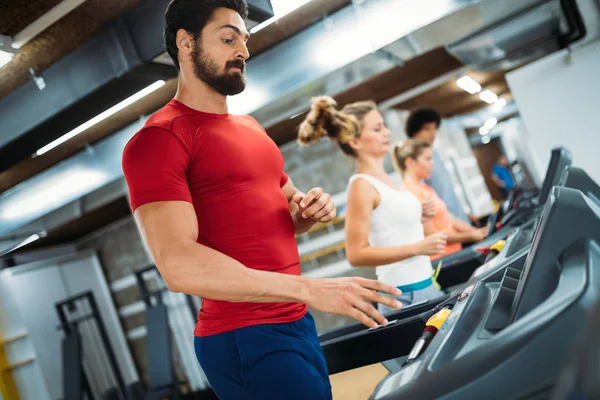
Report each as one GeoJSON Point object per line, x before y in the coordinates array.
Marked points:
{"type": "Point", "coordinates": [157, 129]}
{"type": "Point", "coordinates": [249, 122]}
{"type": "Point", "coordinates": [168, 118]}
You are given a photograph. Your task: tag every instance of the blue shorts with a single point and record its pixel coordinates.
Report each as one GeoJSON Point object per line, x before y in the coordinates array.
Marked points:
{"type": "Point", "coordinates": [275, 361]}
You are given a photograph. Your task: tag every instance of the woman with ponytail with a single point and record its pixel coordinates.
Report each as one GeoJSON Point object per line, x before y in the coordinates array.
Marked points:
{"type": "Point", "coordinates": [384, 226]}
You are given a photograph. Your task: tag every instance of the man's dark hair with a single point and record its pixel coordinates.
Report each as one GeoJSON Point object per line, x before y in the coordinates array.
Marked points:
{"type": "Point", "coordinates": [193, 16]}
{"type": "Point", "coordinates": [420, 117]}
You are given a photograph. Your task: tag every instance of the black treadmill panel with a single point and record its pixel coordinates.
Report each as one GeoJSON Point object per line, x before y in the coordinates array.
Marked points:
{"type": "Point", "coordinates": [560, 158]}
{"type": "Point", "coordinates": [576, 215]}
{"type": "Point", "coordinates": [477, 353]}
{"type": "Point", "coordinates": [577, 178]}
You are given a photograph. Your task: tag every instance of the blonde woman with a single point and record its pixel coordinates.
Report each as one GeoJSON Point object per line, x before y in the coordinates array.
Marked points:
{"type": "Point", "coordinates": [384, 226]}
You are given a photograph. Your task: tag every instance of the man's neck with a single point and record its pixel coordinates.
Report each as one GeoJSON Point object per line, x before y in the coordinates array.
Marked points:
{"type": "Point", "coordinates": [196, 94]}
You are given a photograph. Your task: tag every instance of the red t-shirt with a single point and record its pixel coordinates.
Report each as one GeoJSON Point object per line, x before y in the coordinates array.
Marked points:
{"type": "Point", "coordinates": [232, 173]}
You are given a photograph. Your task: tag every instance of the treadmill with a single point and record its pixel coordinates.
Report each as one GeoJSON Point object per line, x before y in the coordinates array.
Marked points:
{"type": "Point", "coordinates": [580, 378]}
{"type": "Point", "coordinates": [507, 333]}
{"type": "Point", "coordinates": [520, 238]}
{"type": "Point", "coordinates": [458, 267]}
{"type": "Point", "coordinates": [524, 205]}
{"type": "Point", "coordinates": [354, 346]}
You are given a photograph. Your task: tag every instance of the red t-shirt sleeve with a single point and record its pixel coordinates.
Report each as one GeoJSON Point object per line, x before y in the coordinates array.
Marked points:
{"type": "Point", "coordinates": [155, 164]}
{"type": "Point", "coordinates": [284, 179]}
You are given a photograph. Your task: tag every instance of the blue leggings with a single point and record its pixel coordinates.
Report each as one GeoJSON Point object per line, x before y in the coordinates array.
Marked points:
{"type": "Point", "coordinates": [263, 362]}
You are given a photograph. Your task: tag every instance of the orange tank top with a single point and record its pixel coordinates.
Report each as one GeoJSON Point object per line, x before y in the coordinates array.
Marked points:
{"type": "Point", "coordinates": [441, 219]}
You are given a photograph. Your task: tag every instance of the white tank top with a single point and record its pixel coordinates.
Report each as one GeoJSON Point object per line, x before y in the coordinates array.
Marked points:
{"type": "Point", "coordinates": [397, 221]}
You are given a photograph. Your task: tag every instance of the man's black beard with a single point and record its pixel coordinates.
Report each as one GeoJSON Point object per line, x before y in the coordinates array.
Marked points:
{"type": "Point", "coordinates": [227, 84]}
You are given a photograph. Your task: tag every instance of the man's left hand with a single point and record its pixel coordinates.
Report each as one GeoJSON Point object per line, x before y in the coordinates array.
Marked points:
{"type": "Point", "coordinates": [315, 205]}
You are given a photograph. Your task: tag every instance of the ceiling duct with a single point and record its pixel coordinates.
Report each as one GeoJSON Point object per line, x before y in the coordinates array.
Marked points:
{"type": "Point", "coordinates": [538, 30]}
{"type": "Point", "coordinates": [274, 75]}
{"type": "Point", "coordinates": [110, 67]}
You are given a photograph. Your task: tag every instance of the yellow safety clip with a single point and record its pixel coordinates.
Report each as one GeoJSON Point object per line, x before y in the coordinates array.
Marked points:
{"type": "Point", "coordinates": [435, 275]}
{"type": "Point", "coordinates": [438, 319]}
{"type": "Point", "coordinates": [498, 246]}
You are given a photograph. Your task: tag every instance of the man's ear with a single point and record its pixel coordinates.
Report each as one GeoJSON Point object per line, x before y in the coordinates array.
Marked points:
{"type": "Point", "coordinates": [185, 41]}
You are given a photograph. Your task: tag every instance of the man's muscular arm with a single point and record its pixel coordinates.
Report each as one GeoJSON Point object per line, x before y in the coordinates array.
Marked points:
{"type": "Point", "coordinates": [307, 209]}
{"type": "Point", "coordinates": [170, 229]}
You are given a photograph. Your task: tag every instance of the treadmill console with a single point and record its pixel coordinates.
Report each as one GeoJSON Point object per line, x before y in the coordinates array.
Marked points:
{"type": "Point", "coordinates": [560, 159]}
{"type": "Point", "coordinates": [517, 246]}
{"type": "Point", "coordinates": [507, 331]}
{"type": "Point", "coordinates": [577, 178]}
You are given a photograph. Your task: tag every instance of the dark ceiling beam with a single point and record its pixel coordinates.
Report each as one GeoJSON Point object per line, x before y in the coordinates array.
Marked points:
{"type": "Point", "coordinates": [384, 86]}
{"type": "Point", "coordinates": [261, 41]}
{"type": "Point", "coordinates": [16, 15]}
{"type": "Point", "coordinates": [292, 23]}
{"type": "Point", "coordinates": [450, 100]}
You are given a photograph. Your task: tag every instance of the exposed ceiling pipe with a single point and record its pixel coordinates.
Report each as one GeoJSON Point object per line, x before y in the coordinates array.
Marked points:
{"type": "Point", "coordinates": [45, 21]}
{"type": "Point", "coordinates": [287, 67]}
{"type": "Point", "coordinates": [112, 65]}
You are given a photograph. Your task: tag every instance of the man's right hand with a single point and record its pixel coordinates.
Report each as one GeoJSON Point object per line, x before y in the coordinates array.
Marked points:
{"type": "Point", "coordinates": [352, 297]}
{"type": "Point", "coordinates": [433, 244]}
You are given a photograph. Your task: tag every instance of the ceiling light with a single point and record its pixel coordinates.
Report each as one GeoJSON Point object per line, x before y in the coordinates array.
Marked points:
{"type": "Point", "coordinates": [486, 139]}
{"type": "Point", "coordinates": [100, 117]}
{"type": "Point", "coordinates": [5, 58]}
{"type": "Point", "coordinates": [499, 104]}
{"type": "Point", "coordinates": [490, 123]}
{"type": "Point", "coordinates": [281, 8]}
{"type": "Point", "coordinates": [488, 96]}
{"type": "Point", "coordinates": [468, 84]}
{"type": "Point", "coordinates": [29, 239]}
{"type": "Point", "coordinates": [483, 130]}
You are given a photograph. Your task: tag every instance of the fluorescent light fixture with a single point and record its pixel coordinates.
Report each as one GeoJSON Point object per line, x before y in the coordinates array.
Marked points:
{"type": "Point", "coordinates": [499, 104]}
{"type": "Point", "coordinates": [264, 24]}
{"type": "Point", "coordinates": [25, 242]}
{"type": "Point", "coordinates": [488, 96]}
{"type": "Point", "coordinates": [490, 123]}
{"type": "Point", "coordinates": [30, 239]}
{"type": "Point", "coordinates": [5, 58]}
{"type": "Point", "coordinates": [468, 84]}
{"type": "Point", "coordinates": [487, 126]}
{"type": "Point", "coordinates": [486, 139]}
{"type": "Point", "coordinates": [100, 117]}
{"type": "Point", "coordinates": [281, 8]}
{"type": "Point", "coordinates": [52, 193]}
